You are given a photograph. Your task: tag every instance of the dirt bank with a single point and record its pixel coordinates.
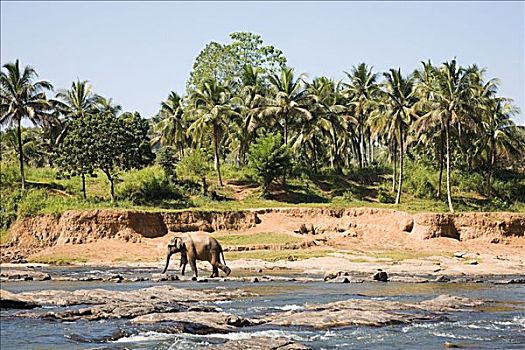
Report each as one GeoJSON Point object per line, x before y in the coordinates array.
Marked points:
{"type": "Point", "coordinates": [352, 237]}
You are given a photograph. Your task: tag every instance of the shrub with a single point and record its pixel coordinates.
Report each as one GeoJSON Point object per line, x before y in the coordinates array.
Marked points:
{"type": "Point", "coordinates": [32, 202]}
{"type": "Point", "coordinates": [268, 160]}
{"type": "Point", "coordinates": [195, 166]}
{"type": "Point", "coordinates": [149, 186]}
{"type": "Point", "coordinates": [384, 195]}
{"type": "Point", "coordinates": [9, 207]}
{"type": "Point", "coordinates": [420, 181]}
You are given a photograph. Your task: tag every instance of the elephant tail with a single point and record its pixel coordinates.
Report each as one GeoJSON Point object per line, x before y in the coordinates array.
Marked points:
{"type": "Point", "coordinates": [222, 254]}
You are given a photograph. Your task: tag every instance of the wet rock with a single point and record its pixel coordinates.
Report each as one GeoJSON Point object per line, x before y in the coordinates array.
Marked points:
{"type": "Point", "coordinates": [365, 312]}
{"type": "Point", "coordinates": [512, 281]}
{"type": "Point", "coordinates": [159, 277]}
{"type": "Point", "coordinates": [254, 280]}
{"type": "Point", "coordinates": [160, 294]}
{"type": "Point", "coordinates": [449, 345]}
{"type": "Point", "coordinates": [472, 262]}
{"type": "Point", "coordinates": [23, 275]}
{"type": "Point", "coordinates": [260, 343]}
{"type": "Point", "coordinates": [459, 255]}
{"type": "Point", "coordinates": [408, 279]}
{"type": "Point", "coordinates": [442, 278]}
{"type": "Point", "coordinates": [9, 300]}
{"type": "Point", "coordinates": [237, 321]}
{"type": "Point", "coordinates": [330, 275]}
{"type": "Point", "coordinates": [380, 275]}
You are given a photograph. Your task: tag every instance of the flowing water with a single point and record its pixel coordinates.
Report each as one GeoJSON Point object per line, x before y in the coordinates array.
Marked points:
{"type": "Point", "coordinates": [500, 325]}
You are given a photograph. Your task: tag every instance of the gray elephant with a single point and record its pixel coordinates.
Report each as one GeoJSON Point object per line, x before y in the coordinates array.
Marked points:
{"type": "Point", "coordinates": [197, 246]}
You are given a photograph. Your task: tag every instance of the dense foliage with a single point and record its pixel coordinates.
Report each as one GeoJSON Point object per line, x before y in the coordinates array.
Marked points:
{"type": "Point", "coordinates": [441, 131]}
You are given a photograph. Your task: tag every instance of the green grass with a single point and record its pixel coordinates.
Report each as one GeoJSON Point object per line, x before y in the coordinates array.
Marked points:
{"type": "Point", "coordinates": [4, 236]}
{"type": "Point", "coordinates": [275, 255]}
{"type": "Point", "coordinates": [256, 238]}
{"type": "Point", "coordinates": [57, 260]}
{"type": "Point", "coordinates": [400, 255]}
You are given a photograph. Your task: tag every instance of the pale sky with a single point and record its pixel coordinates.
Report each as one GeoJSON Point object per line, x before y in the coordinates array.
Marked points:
{"type": "Point", "coordinates": [137, 52]}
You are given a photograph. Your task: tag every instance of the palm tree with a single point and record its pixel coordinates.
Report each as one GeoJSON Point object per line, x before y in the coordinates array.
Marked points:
{"type": "Point", "coordinates": [211, 103]}
{"type": "Point", "coordinates": [498, 136]}
{"type": "Point", "coordinates": [249, 101]}
{"type": "Point", "coordinates": [170, 131]}
{"type": "Point", "coordinates": [287, 101]}
{"type": "Point", "coordinates": [326, 118]}
{"type": "Point", "coordinates": [394, 120]}
{"type": "Point", "coordinates": [21, 97]}
{"type": "Point", "coordinates": [447, 96]}
{"type": "Point", "coordinates": [361, 93]}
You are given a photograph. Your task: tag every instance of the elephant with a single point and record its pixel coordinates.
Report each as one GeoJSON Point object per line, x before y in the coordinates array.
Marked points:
{"type": "Point", "coordinates": [197, 246]}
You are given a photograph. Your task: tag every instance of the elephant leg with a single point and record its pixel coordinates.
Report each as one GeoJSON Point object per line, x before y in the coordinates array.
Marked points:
{"type": "Point", "coordinates": [218, 265]}
{"type": "Point", "coordinates": [183, 269]}
{"type": "Point", "coordinates": [215, 272]}
{"type": "Point", "coordinates": [193, 264]}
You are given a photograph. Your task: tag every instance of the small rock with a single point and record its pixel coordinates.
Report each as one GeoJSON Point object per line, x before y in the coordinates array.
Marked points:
{"type": "Point", "coordinates": [472, 262]}
{"type": "Point", "coordinates": [459, 255]}
{"type": "Point", "coordinates": [449, 345]}
{"type": "Point", "coordinates": [380, 275]}
{"type": "Point", "coordinates": [234, 320]}
{"type": "Point", "coordinates": [202, 280]}
{"type": "Point", "coordinates": [260, 271]}
{"type": "Point", "coordinates": [255, 280]}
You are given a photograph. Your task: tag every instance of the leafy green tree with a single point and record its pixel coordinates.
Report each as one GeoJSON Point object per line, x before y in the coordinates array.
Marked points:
{"type": "Point", "coordinates": [224, 62]}
{"type": "Point", "coordinates": [167, 159]}
{"type": "Point", "coordinates": [77, 154]}
{"type": "Point", "coordinates": [75, 103]}
{"type": "Point", "coordinates": [21, 97]}
{"type": "Point", "coordinates": [268, 159]}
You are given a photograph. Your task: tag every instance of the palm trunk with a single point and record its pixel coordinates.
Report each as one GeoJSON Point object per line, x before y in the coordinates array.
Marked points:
{"type": "Point", "coordinates": [84, 186]}
{"type": "Point", "coordinates": [449, 194]}
{"type": "Point", "coordinates": [286, 129]}
{"type": "Point", "coordinates": [21, 155]}
{"type": "Point", "coordinates": [400, 182]}
{"type": "Point", "coordinates": [491, 169]}
{"type": "Point", "coordinates": [314, 149]}
{"type": "Point", "coordinates": [111, 185]}
{"type": "Point", "coordinates": [440, 167]}
{"type": "Point", "coordinates": [394, 160]}
{"type": "Point", "coordinates": [216, 149]}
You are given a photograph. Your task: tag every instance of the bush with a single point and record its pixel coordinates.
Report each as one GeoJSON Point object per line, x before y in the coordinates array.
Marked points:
{"type": "Point", "coordinates": [384, 195]}
{"type": "Point", "coordinates": [195, 167]}
{"type": "Point", "coordinates": [148, 186]}
{"type": "Point", "coordinates": [268, 160]}
{"type": "Point", "coordinates": [466, 181]}
{"type": "Point", "coordinates": [420, 181]}
{"type": "Point", "coordinates": [32, 202]}
{"type": "Point", "coordinates": [9, 208]}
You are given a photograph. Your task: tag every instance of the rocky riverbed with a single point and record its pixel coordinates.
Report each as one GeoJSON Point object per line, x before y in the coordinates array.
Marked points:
{"type": "Point", "coordinates": [140, 309]}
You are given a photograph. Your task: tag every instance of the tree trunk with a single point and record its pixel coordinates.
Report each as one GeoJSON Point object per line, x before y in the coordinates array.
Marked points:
{"type": "Point", "coordinates": [111, 185]}
{"type": "Point", "coordinates": [400, 182]}
{"type": "Point", "coordinates": [314, 149]}
{"type": "Point", "coordinates": [394, 161]}
{"type": "Point", "coordinates": [491, 169]}
{"type": "Point", "coordinates": [21, 155]}
{"type": "Point", "coordinates": [286, 129]}
{"type": "Point", "coordinates": [440, 166]}
{"type": "Point", "coordinates": [84, 186]}
{"type": "Point", "coordinates": [449, 194]}
{"type": "Point", "coordinates": [217, 158]}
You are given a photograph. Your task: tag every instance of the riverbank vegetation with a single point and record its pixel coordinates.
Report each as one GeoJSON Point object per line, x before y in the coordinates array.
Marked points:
{"type": "Point", "coordinates": [251, 132]}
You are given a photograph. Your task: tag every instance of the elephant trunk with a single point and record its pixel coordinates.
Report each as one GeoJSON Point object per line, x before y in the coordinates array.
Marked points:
{"type": "Point", "coordinates": [167, 262]}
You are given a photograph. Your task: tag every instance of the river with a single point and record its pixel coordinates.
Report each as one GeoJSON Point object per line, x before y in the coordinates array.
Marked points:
{"type": "Point", "coordinates": [501, 325]}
